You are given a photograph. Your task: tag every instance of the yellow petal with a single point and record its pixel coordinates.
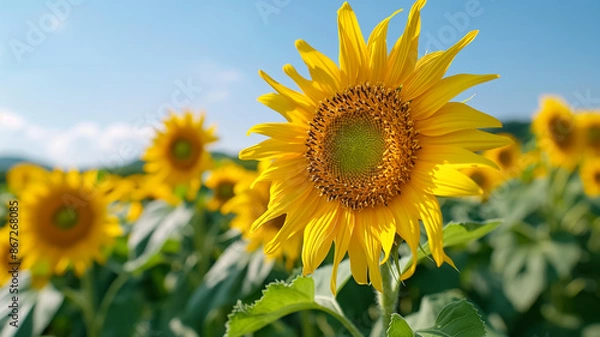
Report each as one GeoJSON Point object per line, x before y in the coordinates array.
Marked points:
{"type": "Point", "coordinates": [321, 68]}
{"type": "Point", "coordinates": [345, 228]}
{"type": "Point", "coordinates": [404, 53]}
{"type": "Point", "coordinates": [318, 236]}
{"type": "Point", "coordinates": [377, 47]}
{"type": "Point", "coordinates": [443, 91]}
{"type": "Point", "coordinates": [353, 50]}
{"type": "Point", "coordinates": [429, 74]}
{"type": "Point", "coordinates": [472, 140]}
{"type": "Point", "coordinates": [455, 116]}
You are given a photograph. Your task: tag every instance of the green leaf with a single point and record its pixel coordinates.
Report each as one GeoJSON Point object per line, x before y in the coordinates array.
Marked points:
{"type": "Point", "coordinates": [457, 319]}
{"type": "Point", "coordinates": [399, 327]}
{"type": "Point", "coordinates": [156, 224]}
{"type": "Point", "coordinates": [278, 300]}
{"type": "Point", "coordinates": [455, 234]}
{"type": "Point", "coordinates": [236, 274]}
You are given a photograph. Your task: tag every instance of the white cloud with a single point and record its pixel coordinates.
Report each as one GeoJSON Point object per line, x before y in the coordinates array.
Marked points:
{"type": "Point", "coordinates": [83, 144]}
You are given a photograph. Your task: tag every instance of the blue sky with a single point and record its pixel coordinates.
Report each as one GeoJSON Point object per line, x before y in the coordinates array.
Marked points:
{"type": "Point", "coordinates": [89, 89]}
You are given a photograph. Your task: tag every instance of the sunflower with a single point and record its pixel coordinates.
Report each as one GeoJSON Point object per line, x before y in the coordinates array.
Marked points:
{"type": "Point", "coordinates": [178, 154]}
{"type": "Point", "coordinates": [589, 125]}
{"type": "Point", "coordinates": [507, 157]}
{"type": "Point", "coordinates": [248, 204]}
{"type": "Point", "coordinates": [22, 174]}
{"type": "Point", "coordinates": [222, 181]}
{"type": "Point", "coordinates": [65, 222]}
{"type": "Point", "coordinates": [554, 128]}
{"type": "Point", "coordinates": [486, 178]}
{"type": "Point", "coordinates": [6, 256]}
{"type": "Point", "coordinates": [590, 176]}
{"type": "Point", "coordinates": [533, 163]}
{"type": "Point", "coordinates": [367, 146]}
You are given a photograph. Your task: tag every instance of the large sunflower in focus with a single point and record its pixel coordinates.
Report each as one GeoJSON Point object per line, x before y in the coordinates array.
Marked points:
{"type": "Point", "coordinates": [178, 155]}
{"type": "Point", "coordinates": [367, 146]}
{"type": "Point", "coordinates": [65, 222]}
{"type": "Point", "coordinates": [554, 128]}
{"type": "Point", "coordinates": [222, 182]}
{"type": "Point", "coordinates": [589, 125]}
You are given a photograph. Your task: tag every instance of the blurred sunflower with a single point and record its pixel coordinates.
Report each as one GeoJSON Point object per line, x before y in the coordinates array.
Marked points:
{"type": "Point", "coordinates": [486, 178]}
{"type": "Point", "coordinates": [507, 157]}
{"type": "Point", "coordinates": [5, 254]}
{"type": "Point", "coordinates": [531, 161]}
{"type": "Point", "coordinates": [222, 182]}
{"type": "Point", "coordinates": [22, 174]}
{"type": "Point", "coordinates": [65, 222]}
{"type": "Point", "coordinates": [178, 155]}
{"type": "Point", "coordinates": [554, 128]}
{"type": "Point", "coordinates": [590, 176]}
{"type": "Point", "coordinates": [367, 147]}
{"type": "Point", "coordinates": [589, 125]}
{"type": "Point", "coordinates": [248, 204]}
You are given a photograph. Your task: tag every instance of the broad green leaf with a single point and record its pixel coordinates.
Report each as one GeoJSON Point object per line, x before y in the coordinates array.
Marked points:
{"type": "Point", "coordinates": [236, 274]}
{"type": "Point", "coordinates": [454, 234]}
{"type": "Point", "coordinates": [322, 278]}
{"type": "Point", "coordinates": [159, 223]}
{"type": "Point", "coordinates": [431, 307]}
{"type": "Point", "coordinates": [399, 327]}
{"type": "Point", "coordinates": [278, 300]}
{"type": "Point", "coordinates": [457, 319]}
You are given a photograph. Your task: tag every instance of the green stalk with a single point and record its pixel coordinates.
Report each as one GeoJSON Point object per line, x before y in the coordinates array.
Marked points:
{"type": "Point", "coordinates": [88, 307]}
{"type": "Point", "coordinates": [388, 299]}
{"type": "Point", "coordinates": [109, 297]}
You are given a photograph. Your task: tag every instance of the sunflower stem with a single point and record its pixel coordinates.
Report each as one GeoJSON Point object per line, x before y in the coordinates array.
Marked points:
{"type": "Point", "coordinates": [88, 307]}
{"type": "Point", "coordinates": [389, 297]}
{"type": "Point", "coordinates": [109, 297]}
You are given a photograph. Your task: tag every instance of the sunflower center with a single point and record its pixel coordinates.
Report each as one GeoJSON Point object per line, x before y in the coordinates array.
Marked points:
{"type": "Point", "coordinates": [505, 158]}
{"type": "Point", "coordinates": [182, 149]}
{"type": "Point", "coordinates": [478, 178]}
{"type": "Point", "coordinates": [65, 218]}
{"type": "Point", "coordinates": [597, 177]}
{"type": "Point", "coordinates": [224, 190]}
{"type": "Point", "coordinates": [561, 131]}
{"type": "Point", "coordinates": [593, 136]}
{"type": "Point", "coordinates": [361, 146]}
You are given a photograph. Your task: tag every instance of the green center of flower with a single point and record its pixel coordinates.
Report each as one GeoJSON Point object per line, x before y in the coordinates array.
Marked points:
{"type": "Point", "coordinates": [182, 149]}
{"type": "Point", "coordinates": [65, 218]}
{"type": "Point", "coordinates": [561, 131]}
{"type": "Point", "coordinates": [357, 145]}
{"type": "Point", "coordinates": [361, 146]}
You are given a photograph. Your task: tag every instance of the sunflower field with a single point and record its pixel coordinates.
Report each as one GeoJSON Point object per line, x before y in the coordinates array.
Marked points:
{"type": "Point", "coordinates": [379, 207]}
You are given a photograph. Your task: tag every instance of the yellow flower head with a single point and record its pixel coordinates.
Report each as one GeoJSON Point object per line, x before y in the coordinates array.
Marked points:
{"type": "Point", "coordinates": [248, 204]}
{"type": "Point", "coordinates": [64, 222]}
{"type": "Point", "coordinates": [367, 146]}
{"type": "Point", "coordinates": [22, 174]}
{"type": "Point", "coordinates": [588, 124]}
{"type": "Point", "coordinates": [178, 155]}
{"type": "Point", "coordinates": [554, 128]}
{"type": "Point", "coordinates": [590, 177]}
{"type": "Point", "coordinates": [6, 256]}
{"type": "Point", "coordinates": [222, 182]}
{"type": "Point", "coordinates": [507, 157]}
{"type": "Point", "coordinates": [486, 178]}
